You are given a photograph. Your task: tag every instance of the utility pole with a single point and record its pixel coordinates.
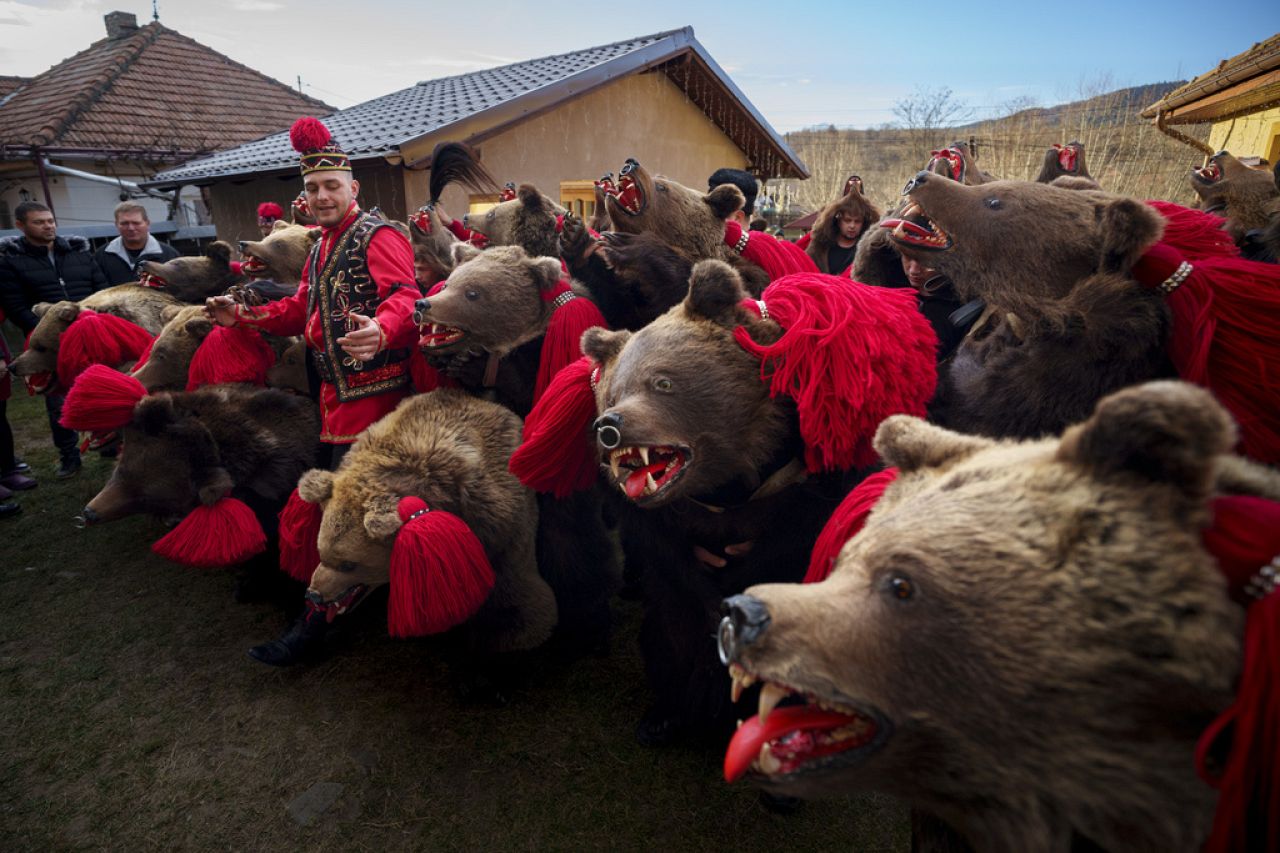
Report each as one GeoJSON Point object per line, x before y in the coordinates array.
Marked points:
{"type": "Point", "coordinates": [300, 84]}
{"type": "Point", "coordinates": [155, 10]}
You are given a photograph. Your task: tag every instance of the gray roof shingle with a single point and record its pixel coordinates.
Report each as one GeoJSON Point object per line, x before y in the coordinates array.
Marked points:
{"type": "Point", "coordinates": [379, 127]}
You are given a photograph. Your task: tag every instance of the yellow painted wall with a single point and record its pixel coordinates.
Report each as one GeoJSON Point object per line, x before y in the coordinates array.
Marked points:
{"type": "Point", "coordinates": [1256, 135]}
{"type": "Point", "coordinates": [645, 116]}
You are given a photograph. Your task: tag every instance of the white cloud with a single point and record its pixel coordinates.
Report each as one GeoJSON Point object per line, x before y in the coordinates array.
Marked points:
{"type": "Point", "coordinates": [256, 6]}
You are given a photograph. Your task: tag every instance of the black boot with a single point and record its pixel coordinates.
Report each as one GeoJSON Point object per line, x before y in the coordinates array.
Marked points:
{"type": "Point", "coordinates": [304, 641]}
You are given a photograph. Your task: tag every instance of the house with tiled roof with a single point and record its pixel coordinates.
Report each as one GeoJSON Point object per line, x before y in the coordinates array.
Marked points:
{"type": "Point", "coordinates": [1239, 98]}
{"type": "Point", "coordinates": [557, 122]}
{"type": "Point", "coordinates": [84, 134]}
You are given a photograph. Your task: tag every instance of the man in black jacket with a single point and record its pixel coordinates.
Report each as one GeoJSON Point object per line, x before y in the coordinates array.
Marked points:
{"type": "Point", "coordinates": [37, 267]}
{"type": "Point", "coordinates": [119, 259]}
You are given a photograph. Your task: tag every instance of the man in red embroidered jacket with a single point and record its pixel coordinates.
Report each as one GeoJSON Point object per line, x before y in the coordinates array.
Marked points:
{"type": "Point", "coordinates": [354, 306]}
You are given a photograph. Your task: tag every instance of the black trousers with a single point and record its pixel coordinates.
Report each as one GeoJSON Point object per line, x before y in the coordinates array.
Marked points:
{"type": "Point", "coordinates": [64, 439]}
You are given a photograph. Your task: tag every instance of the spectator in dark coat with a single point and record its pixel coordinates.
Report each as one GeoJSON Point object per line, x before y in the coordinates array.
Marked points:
{"type": "Point", "coordinates": [119, 259]}
{"type": "Point", "coordinates": [37, 267]}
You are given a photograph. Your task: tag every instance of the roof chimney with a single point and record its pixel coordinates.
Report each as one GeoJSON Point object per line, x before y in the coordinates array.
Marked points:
{"type": "Point", "coordinates": [121, 24]}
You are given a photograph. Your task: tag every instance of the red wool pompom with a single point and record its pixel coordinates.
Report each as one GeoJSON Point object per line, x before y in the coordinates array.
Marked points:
{"type": "Point", "coordinates": [270, 210]}
{"type": "Point", "coordinates": [299, 537]}
{"type": "Point", "coordinates": [224, 534]}
{"type": "Point", "coordinates": [308, 134]}
{"type": "Point", "coordinates": [846, 522]}
{"type": "Point", "coordinates": [101, 400]}
{"type": "Point", "coordinates": [231, 354]}
{"type": "Point", "coordinates": [557, 452]}
{"type": "Point", "coordinates": [562, 344]}
{"type": "Point", "coordinates": [94, 338]}
{"type": "Point", "coordinates": [440, 574]}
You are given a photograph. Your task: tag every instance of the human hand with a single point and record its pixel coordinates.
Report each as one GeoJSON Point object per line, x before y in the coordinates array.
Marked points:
{"type": "Point", "coordinates": [221, 310]}
{"type": "Point", "coordinates": [364, 341]}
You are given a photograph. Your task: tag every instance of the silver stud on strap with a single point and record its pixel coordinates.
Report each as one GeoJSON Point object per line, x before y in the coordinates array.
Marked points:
{"type": "Point", "coordinates": [742, 242]}
{"type": "Point", "coordinates": [764, 309]}
{"type": "Point", "coordinates": [1170, 284]}
{"type": "Point", "coordinates": [1264, 582]}
{"type": "Point", "coordinates": [564, 299]}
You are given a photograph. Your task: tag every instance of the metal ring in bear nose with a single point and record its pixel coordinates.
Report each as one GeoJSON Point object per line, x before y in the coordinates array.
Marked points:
{"type": "Point", "coordinates": [748, 616]}
{"type": "Point", "coordinates": [631, 164]}
{"type": "Point", "coordinates": [608, 429]}
{"type": "Point", "coordinates": [420, 308]}
{"type": "Point", "coordinates": [725, 640]}
{"type": "Point", "coordinates": [920, 178]}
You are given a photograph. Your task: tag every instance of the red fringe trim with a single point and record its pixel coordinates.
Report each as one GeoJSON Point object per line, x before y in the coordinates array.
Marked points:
{"type": "Point", "coordinates": [94, 338]}
{"type": "Point", "coordinates": [213, 536]}
{"type": "Point", "coordinates": [299, 535]}
{"type": "Point", "coordinates": [101, 400]}
{"type": "Point", "coordinates": [231, 354]}
{"type": "Point", "coordinates": [776, 257]}
{"type": "Point", "coordinates": [562, 343]}
{"type": "Point", "coordinates": [440, 574]}
{"type": "Point", "coordinates": [851, 356]}
{"type": "Point", "coordinates": [557, 452]}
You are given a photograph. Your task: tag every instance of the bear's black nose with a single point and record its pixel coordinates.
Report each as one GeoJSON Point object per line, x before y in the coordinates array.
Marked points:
{"type": "Point", "coordinates": [745, 619]}
{"type": "Point", "coordinates": [608, 429]}
{"type": "Point", "coordinates": [1219, 154]}
{"type": "Point", "coordinates": [920, 178]}
{"type": "Point", "coordinates": [243, 243]}
{"type": "Point", "coordinates": [420, 309]}
{"type": "Point", "coordinates": [12, 368]}
{"type": "Point", "coordinates": [628, 166]}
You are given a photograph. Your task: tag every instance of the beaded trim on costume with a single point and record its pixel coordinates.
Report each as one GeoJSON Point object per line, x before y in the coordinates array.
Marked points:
{"type": "Point", "coordinates": [564, 299]}
{"type": "Point", "coordinates": [1170, 284]}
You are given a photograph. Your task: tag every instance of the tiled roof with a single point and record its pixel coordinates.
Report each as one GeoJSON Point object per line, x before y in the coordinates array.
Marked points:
{"type": "Point", "coordinates": [153, 90]}
{"type": "Point", "coordinates": [1258, 67]}
{"type": "Point", "coordinates": [505, 94]}
{"type": "Point", "coordinates": [10, 84]}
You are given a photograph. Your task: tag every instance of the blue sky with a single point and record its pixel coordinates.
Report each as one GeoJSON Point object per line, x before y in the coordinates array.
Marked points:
{"type": "Point", "coordinates": [800, 64]}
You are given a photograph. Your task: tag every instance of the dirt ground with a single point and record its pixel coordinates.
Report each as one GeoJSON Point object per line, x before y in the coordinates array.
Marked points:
{"type": "Point", "coordinates": [133, 719]}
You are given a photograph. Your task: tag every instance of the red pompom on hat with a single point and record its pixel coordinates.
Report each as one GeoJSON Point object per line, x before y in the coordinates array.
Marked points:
{"type": "Point", "coordinates": [269, 211]}
{"type": "Point", "coordinates": [440, 574]}
{"type": "Point", "coordinates": [101, 400]}
{"type": "Point", "coordinates": [1226, 312]}
{"type": "Point", "coordinates": [320, 152]}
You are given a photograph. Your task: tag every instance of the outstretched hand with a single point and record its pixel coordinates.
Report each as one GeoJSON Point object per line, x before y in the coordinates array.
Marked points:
{"type": "Point", "coordinates": [364, 341]}
{"type": "Point", "coordinates": [221, 310]}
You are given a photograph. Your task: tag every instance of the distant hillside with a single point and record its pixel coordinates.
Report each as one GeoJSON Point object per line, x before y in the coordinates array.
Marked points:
{"type": "Point", "coordinates": [1124, 153]}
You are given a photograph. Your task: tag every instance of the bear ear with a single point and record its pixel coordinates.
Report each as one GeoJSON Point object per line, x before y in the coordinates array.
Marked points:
{"type": "Point", "coordinates": [461, 252]}
{"type": "Point", "coordinates": [199, 327]}
{"type": "Point", "coordinates": [529, 196]}
{"type": "Point", "coordinates": [168, 312]}
{"type": "Point", "coordinates": [1074, 182]}
{"type": "Point", "coordinates": [214, 485]}
{"type": "Point", "coordinates": [1162, 432]}
{"type": "Point", "coordinates": [41, 308]}
{"type": "Point", "coordinates": [546, 272]}
{"type": "Point", "coordinates": [67, 311]}
{"type": "Point", "coordinates": [381, 518]}
{"type": "Point", "coordinates": [724, 200]}
{"type": "Point", "coordinates": [153, 414]}
{"type": "Point", "coordinates": [912, 443]}
{"type": "Point", "coordinates": [715, 289]}
{"type": "Point", "coordinates": [313, 234]}
{"type": "Point", "coordinates": [219, 251]}
{"type": "Point", "coordinates": [603, 345]}
{"type": "Point", "coordinates": [1129, 228]}
{"type": "Point", "coordinates": [315, 486]}
{"type": "Point", "coordinates": [280, 226]}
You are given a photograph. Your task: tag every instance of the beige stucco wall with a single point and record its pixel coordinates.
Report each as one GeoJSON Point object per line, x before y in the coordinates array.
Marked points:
{"type": "Point", "coordinates": [644, 116]}
{"type": "Point", "coordinates": [1256, 135]}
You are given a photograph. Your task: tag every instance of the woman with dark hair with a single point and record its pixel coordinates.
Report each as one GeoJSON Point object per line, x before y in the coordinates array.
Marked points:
{"type": "Point", "coordinates": [836, 232]}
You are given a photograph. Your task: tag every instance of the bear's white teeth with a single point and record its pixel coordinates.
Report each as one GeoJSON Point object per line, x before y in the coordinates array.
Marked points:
{"type": "Point", "coordinates": [912, 209]}
{"type": "Point", "coordinates": [770, 695]}
{"type": "Point", "coordinates": [741, 681]}
{"type": "Point", "coordinates": [767, 762]}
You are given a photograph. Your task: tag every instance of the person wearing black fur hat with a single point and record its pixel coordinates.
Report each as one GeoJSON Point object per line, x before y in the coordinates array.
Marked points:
{"type": "Point", "coordinates": [744, 181]}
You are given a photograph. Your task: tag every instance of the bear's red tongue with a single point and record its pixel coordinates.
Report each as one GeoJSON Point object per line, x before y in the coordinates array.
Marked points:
{"type": "Point", "coordinates": [753, 735]}
{"type": "Point", "coordinates": [636, 481]}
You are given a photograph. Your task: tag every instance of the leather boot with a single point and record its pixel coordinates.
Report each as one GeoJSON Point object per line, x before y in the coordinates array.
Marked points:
{"type": "Point", "coordinates": [303, 641]}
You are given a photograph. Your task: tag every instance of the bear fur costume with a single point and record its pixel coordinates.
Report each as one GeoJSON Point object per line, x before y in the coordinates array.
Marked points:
{"type": "Point", "coordinates": [684, 386]}
{"type": "Point", "coordinates": [280, 256]}
{"type": "Point", "coordinates": [1249, 200]}
{"type": "Point", "coordinates": [432, 243]}
{"type": "Point", "coordinates": [185, 449]}
{"type": "Point", "coordinates": [1030, 636]}
{"type": "Point", "coordinates": [528, 221]}
{"type": "Point", "coordinates": [193, 280]}
{"type": "Point", "coordinates": [506, 319]}
{"type": "Point", "coordinates": [688, 221]}
{"type": "Point", "coordinates": [1065, 323]}
{"type": "Point", "coordinates": [451, 450]}
{"type": "Point", "coordinates": [634, 278]}
{"type": "Point", "coordinates": [168, 363]}
{"type": "Point", "coordinates": [142, 306]}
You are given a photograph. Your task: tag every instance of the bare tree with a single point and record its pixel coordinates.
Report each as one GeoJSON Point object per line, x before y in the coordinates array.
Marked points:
{"type": "Point", "coordinates": [928, 113]}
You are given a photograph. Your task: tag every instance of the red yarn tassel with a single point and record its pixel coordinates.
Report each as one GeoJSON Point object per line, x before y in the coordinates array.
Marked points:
{"type": "Point", "coordinates": [562, 343]}
{"type": "Point", "coordinates": [776, 257]}
{"type": "Point", "coordinates": [1225, 316]}
{"type": "Point", "coordinates": [94, 338]}
{"type": "Point", "coordinates": [1198, 235]}
{"type": "Point", "coordinates": [851, 356]}
{"type": "Point", "coordinates": [440, 574]}
{"type": "Point", "coordinates": [1245, 537]}
{"type": "Point", "coordinates": [299, 535]}
{"type": "Point", "coordinates": [557, 453]}
{"type": "Point", "coordinates": [212, 536]}
{"type": "Point", "coordinates": [846, 522]}
{"type": "Point", "coordinates": [230, 354]}
{"type": "Point", "coordinates": [101, 400]}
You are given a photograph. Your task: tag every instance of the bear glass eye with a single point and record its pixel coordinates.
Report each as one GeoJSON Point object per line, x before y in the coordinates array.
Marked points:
{"type": "Point", "coordinates": [901, 587]}
{"type": "Point", "coordinates": [994, 203]}
{"type": "Point", "coordinates": [662, 383]}
{"type": "Point", "coordinates": [346, 567]}
{"type": "Point", "coordinates": [473, 295]}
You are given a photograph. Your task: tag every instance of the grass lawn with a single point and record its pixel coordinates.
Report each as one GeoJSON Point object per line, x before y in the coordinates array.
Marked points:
{"type": "Point", "coordinates": [133, 719]}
